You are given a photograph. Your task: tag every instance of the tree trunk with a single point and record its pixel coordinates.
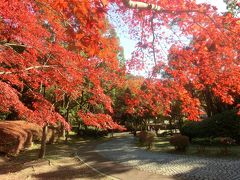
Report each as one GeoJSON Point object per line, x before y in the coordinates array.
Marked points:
{"type": "Point", "coordinates": [111, 132]}
{"type": "Point", "coordinates": [171, 128]}
{"type": "Point", "coordinates": [180, 123]}
{"type": "Point", "coordinates": [79, 128]}
{"type": "Point", "coordinates": [43, 142]}
{"type": "Point", "coordinates": [67, 120]}
{"type": "Point", "coordinates": [63, 132]}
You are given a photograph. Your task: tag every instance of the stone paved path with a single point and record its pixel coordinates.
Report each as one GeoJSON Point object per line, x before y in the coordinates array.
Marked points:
{"type": "Point", "coordinates": [125, 151]}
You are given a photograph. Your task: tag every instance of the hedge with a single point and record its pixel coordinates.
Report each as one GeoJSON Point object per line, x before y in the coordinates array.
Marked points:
{"type": "Point", "coordinates": [226, 124]}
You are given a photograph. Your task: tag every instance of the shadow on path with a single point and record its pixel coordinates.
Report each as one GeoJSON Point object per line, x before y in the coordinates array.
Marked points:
{"type": "Point", "coordinates": [125, 152]}
{"type": "Point", "coordinates": [91, 156]}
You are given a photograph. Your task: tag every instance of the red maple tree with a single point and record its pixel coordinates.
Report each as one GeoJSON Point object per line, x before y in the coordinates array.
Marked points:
{"type": "Point", "coordinates": [56, 46]}
{"type": "Point", "coordinates": [203, 71]}
{"type": "Point", "coordinates": [66, 47]}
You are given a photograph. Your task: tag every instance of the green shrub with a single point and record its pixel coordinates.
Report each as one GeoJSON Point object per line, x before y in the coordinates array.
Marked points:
{"type": "Point", "coordinates": [92, 132]}
{"type": "Point", "coordinates": [226, 124]}
{"type": "Point", "coordinates": [193, 129]}
{"type": "Point", "coordinates": [146, 138]}
{"type": "Point", "coordinates": [180, 142]}
{"type": "Point", "coordinates": [203, 141]}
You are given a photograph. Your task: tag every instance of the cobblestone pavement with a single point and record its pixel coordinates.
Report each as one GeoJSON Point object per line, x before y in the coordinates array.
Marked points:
{"type": "Point", "coordinates": [124, 150]}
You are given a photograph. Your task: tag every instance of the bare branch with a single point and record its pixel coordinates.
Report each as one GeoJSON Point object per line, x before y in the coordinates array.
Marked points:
{"type": "Point", "coordinates": [27, 69]}
{"type": "Point", "coordinates": [153, 40]}
{"type": "Point", "coordinates": [141, 5]}
{"type": "Point", "coordinates": [154, 7]}
{"type": "Point", "coordinates": [11, 44]}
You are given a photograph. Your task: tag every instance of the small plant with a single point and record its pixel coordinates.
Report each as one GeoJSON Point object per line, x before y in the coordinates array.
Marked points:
{"type": "Point", "coordinates": [150, 139]}
{"type": "Point", "coordinates": [180, 142]}
{"type": "Point", "coordinates": [226, 142]}
{"type": "Point", "coordinates": [142, 137]}
{"type": "Point", "coordinates": [146, 138]}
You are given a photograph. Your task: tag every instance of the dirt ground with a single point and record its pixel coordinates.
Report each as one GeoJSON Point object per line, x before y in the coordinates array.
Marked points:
{"type": "Point", "coordinates": [60, 163]}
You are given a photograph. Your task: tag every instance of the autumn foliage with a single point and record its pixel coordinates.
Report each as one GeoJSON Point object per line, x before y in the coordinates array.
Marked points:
{"type": "Point", "coordinates": [60, 46]}
{"type": "Point", "coordinates": [61, 55]}
{"type": "Point", "coordinates": [194, 52]}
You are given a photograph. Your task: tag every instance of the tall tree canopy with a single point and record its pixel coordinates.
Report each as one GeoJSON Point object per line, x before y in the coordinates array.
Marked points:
{"type": "Point", "coordinates": [202, 63]}
{"type": "Point", "coordinates": [67, 47]}
{"type": "Point", "coordinates": [61, 45]}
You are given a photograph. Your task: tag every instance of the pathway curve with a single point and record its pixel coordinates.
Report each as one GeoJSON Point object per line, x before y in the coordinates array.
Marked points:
{"type": "Point", "coordinates": [124, 151]}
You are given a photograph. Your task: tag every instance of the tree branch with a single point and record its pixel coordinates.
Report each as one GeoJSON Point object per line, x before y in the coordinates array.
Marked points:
{"type": "Point", "coordinates": [153, 40]}
{"type": "Point", "coordinates": [142, 5]}
{"type": "Point", "coordinates": [27, 69]}
{"type": "Point", "coordinates": [11, 44]}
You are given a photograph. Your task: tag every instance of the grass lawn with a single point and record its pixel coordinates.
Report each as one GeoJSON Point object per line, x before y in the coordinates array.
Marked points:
{"type": "Point", "coordinates": [161, 144]}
